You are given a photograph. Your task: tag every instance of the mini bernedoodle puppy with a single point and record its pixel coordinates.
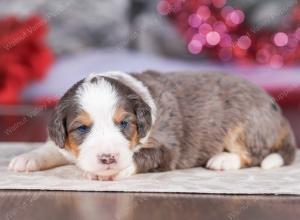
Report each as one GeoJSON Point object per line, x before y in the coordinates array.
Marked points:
{"type": "Point", "coordinates": [113, 125]}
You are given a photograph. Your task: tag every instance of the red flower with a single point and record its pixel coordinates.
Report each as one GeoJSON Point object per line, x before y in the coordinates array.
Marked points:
{"type": "Point", "coordinates": [24, 55]}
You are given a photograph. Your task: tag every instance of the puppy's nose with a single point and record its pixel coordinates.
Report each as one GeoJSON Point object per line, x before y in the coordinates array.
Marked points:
{"type": "Point", "coordinates": [107, 158]}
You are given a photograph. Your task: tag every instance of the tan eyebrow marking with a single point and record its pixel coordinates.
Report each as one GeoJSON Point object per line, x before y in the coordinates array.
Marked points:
{"type": "Point", "coordinates": [131, 133]}
{"type": "Point", "coordinates": [83, 118]}
{"type": "Point", "coordinates": [71, 144]}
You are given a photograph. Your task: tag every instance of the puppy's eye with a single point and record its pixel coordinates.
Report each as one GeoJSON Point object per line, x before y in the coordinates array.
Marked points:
{"type": "Point", "coordinates": [123, 124]}
{"type": "Point", "coordinates": [83, 129]}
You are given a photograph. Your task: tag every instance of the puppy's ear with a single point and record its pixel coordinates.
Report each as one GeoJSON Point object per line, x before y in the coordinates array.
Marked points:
{"type": "Point", "coordinates": [57, 126]}
{"type": "Point", "coordinates": [143, 115]}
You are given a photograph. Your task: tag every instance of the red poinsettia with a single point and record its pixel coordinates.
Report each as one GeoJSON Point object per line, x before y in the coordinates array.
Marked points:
{"type": "Point", "coordinates": [24, 55]}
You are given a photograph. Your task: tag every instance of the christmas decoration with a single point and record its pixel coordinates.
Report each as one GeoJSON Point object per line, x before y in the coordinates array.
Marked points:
{"type": "Point", "coordinates": [212, 27]}
{"type": "Point", "coordinates": [24, 56]}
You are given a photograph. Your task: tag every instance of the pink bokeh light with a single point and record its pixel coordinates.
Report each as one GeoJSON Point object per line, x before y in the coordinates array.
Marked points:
{"type": "Point", "coordinates": [244, 42]}
{"type": "Point", "coordinates": [218, 3]}
{"type": "Point", "coordinates": [225, 11]}
{"type": "Point", "coordinates": [204, 12]}
{"type": "Point", "coordinates": [204, 28]}
{"type": "Point", "coordinates": [195, 46]}
{"type": "Point", "coordinates": [236, 17]}
{"type": "Point", "coordinates": [226, 40]}
{"type": "Point", "coordinates": [292, 41]}
{"type": "Point", "coordinates": [195, 20]}
{"type": "Point", "coordinates": [200, 37]}
{"type": "Point", "coordinates": [163, 7]}
{"type": "Point", "coordinates": [280, 39]}
{"type": "Point", "coordinates": [213, 38]}
{"type": "Point", "coordinates": [220, 27]}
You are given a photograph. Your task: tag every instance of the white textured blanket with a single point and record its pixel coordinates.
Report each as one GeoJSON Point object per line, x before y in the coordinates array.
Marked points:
{"type": "Point", "coordinates": [285, 180]}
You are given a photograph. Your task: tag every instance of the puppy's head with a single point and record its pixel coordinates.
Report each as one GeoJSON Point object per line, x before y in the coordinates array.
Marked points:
{"type": "Point", "coordinates": [100, 121]}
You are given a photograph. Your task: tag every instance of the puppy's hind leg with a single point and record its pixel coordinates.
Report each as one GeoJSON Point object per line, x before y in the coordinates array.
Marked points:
{"type": "Point", "coordinates": [45, 157]}
{"type": "Point", "coordinates": [235, 155]}
{"type": "Point", "coordinates": [224, 161]}
{"type": "Point", "coordinates": [284, 153]}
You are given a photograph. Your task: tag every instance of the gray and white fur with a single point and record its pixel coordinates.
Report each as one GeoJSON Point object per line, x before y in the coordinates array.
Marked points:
{"type": "Point", "coordinates": [113, 125]}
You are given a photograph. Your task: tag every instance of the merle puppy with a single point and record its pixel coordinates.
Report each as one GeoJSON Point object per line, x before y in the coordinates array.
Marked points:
{"type": "Point", "coordinates": [113, 125]}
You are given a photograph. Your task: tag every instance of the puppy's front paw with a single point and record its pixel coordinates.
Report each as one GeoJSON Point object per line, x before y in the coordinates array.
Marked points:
{"type": "Point", "coordinates": [224, 161]}
{"type": "Point", "coordinates": [129, 171]}
{"type": "Point", "coordinates": [26, 163]}
{"type": "Point", "coordinates": [92, 176]}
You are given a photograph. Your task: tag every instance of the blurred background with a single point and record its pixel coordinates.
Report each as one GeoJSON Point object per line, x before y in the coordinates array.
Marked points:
{"type": "Point", "coordinates": [46, 46]}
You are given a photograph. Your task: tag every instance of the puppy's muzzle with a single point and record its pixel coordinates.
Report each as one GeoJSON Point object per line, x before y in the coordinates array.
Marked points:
{"type": "Point", "coordinates": [108, 159]}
